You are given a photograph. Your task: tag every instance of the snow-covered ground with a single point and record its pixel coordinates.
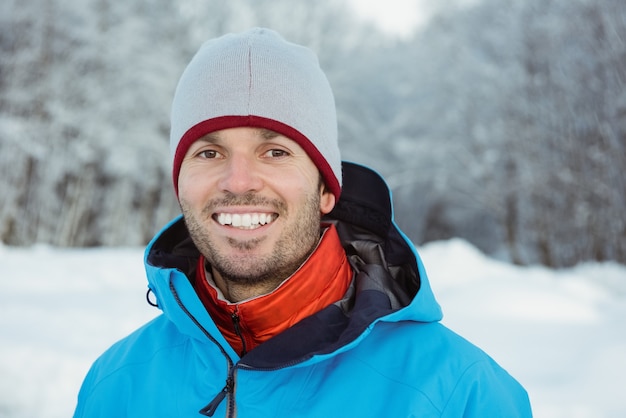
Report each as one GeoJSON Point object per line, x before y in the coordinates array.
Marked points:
{"type": "Point", "coordinates": [561, 333]}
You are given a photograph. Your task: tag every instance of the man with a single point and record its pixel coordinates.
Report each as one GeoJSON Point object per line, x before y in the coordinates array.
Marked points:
{"type": "Point", "coordinates": [286, 288]}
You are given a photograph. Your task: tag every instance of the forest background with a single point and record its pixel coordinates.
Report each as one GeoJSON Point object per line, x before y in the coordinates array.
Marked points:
{"type": "Point", "coordinates": [502, 122]}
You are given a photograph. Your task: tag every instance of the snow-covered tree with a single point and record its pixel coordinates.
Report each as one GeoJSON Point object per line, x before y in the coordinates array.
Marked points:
{"type": "Point", "coordinates": [503, 121]}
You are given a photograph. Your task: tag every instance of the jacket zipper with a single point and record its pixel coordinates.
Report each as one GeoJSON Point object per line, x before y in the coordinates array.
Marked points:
{"type": "Point", "coordinates": [228, 389]}
{"type": "Point", "coordinates": [237, 325]}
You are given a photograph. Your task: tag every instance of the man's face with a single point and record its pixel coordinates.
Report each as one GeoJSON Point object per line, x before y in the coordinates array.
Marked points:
{"type": "Point", "coordinates": [252, 201]}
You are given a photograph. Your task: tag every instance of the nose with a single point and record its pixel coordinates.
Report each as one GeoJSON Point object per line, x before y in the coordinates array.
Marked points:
{"type": "Point", "coordinates": [240, 176]}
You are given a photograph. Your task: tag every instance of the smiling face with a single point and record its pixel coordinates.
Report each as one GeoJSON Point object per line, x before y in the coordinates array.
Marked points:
{"type": "Point", "coordinates": [252, 201]}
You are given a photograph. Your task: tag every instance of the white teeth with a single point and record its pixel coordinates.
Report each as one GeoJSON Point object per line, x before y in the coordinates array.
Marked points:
{"type": "Point", "coordinates": [245, 220]}
{"type": "Point", "coordinates": [225, 219]}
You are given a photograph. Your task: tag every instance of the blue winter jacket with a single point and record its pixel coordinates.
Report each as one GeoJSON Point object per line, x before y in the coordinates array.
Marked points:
{"type": "Point", "coordinates": [379, 352]}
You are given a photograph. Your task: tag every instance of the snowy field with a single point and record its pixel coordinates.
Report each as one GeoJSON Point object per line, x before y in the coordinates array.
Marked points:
{"type": "Point", "coordinates": [562, 334]}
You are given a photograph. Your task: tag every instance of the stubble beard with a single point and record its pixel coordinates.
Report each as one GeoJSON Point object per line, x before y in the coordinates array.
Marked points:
{"type": "Point", "coordinates": [294, 246]}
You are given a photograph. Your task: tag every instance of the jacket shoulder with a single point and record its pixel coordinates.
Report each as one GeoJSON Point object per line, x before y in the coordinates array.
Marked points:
{"type": "Point", "coordinates": [458, 377]}
{"type": "Point", "coordinates": [141, 345]}
{"type": "Point", "coordinates": [130, 359]}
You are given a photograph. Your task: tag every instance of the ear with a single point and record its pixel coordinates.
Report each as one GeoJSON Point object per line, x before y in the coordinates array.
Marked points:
{"type": "Point", "coordinates": [327, 200]}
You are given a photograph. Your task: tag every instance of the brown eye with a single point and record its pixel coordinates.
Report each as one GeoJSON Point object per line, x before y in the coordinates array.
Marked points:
{"type": "Point", "coordinates": [276, 153]}
{"type": "Point", "coordinates": [208, 154]}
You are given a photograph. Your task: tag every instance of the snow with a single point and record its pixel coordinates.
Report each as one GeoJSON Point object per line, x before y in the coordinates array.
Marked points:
{"type": "Point", "coordinates": [560, 333]}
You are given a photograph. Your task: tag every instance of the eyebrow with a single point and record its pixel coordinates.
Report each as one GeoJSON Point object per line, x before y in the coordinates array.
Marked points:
{"type": "Point", "coordinates": [211, 137]}
{"type": "Point", "coordinates": [268, 133]}
{"type": "Point", "coordinates": [214, 137]}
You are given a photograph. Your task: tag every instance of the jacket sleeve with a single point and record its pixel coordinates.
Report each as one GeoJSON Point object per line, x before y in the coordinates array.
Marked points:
{"type": "Point", "coordinates": [487, 390]}
{"type": "Point", "coordinates": [83, 395]}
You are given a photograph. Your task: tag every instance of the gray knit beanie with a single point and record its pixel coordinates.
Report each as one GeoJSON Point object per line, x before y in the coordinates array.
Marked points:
{"type": "Point", "coordinates": [257, 79]}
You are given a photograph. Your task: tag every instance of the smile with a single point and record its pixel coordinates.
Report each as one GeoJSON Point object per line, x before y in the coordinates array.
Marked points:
{"type": "Point", "coordinates": [245, 220]}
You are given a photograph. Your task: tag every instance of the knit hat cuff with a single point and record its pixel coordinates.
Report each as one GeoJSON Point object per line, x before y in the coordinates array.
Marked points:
{"type": "Point", "coordinates": [225, 122]}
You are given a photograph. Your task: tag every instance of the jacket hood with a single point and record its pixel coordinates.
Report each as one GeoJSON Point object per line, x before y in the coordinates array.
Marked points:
{"type": "Point", "coordinates": [377, 247]}
{"type": "Point", "coordinates": [390, 280]}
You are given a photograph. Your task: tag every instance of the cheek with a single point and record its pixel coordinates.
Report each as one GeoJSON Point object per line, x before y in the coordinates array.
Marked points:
{"type": "Point", "coordinates": [298, 191]}
{"type": "Point", "coordinates": [191, 186]}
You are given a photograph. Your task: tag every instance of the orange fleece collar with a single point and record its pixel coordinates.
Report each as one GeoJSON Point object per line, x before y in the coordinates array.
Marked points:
{"type": "Point", "coordinates": [322, 280]}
